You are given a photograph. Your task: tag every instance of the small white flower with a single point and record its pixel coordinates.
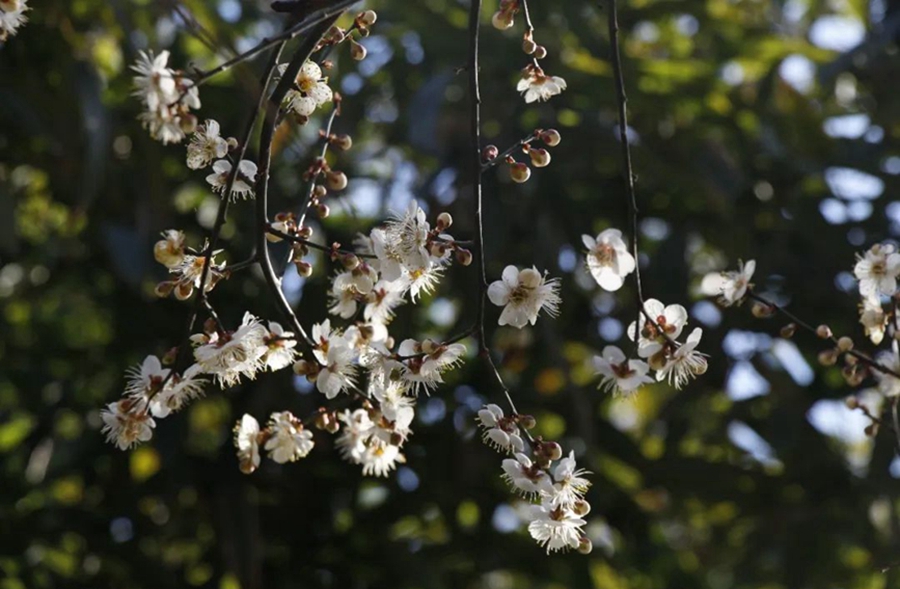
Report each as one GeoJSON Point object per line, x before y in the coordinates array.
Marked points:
{"type": "Point", "coordinates": [523, 294]}
{"type": "Point", "coordinates": [556, 528]}
{"type": "Point", "coordinates": [246, 440]}
{"type": "Point", "coordinates": [381, 301]}
{"type": "Point", "coordinates": [426, 361]}
{"type": "Point", "coordinates": [395, 405]}
{"type": "Point", "coordinates": [670, 319]}
{"type": "Point", "coordinates": [12, 16]}
{"type": "Point", "coordinates": [380, 458]}
{"type": "Point", "coordinates": [535, 85]}
{"type": "Point", "coordinates": [685, 363]}
{"type": "Point", "coordinates": [873, 319]}
{"type": "Point", "coordinates": [877, 271]}
{"type": "Point", "coordinates": [621, 376]}
{"type": "Point", "coordinates": [146, 379]}
{"type": "Point", "coordinates": [227, 357]}
{"type": "Point", "coordinates": [888, 384]}
{"type": "Point", "coordinates": [526, 477]}
{"type": "Point", "coordinates": [243, 182]}
{"type": "Point", "coordinates": [126, 423]}
{"type": "Point", "coordinates": [338, 371]}
{"type": "Point", "coordinates": [730, 287]}
{"type": "Point", "coordinates": [178, 392]}
{"type": "Point", "coordinates": [288, 441]}
{"type": "Point", "coordinates": [169, 251]}
{"type": "Point", "coordinates": [310, 92]}
{"type": "Point", "coordinates": [357, 428]}
{"type": "Point", "coordinates": [282, 348]}
{"type": "Point", "coordinates": [570, 484]}
{"type": "Point", "coordinates": [189, 274]}
{"type": "Point", "coordinates": [500, 432]}
{"type": "Point", "coordinates": [350, 288]}
{"type": "Point", "coordinates": [167, 96]}
{"type": "Point", "coordinates": [206, 146]}
{"type": "Point", "coordinates": [608, 259]}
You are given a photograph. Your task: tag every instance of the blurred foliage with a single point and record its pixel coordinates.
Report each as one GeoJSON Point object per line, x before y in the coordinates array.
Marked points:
{"type": "Point", "coordinates": [763, 130]}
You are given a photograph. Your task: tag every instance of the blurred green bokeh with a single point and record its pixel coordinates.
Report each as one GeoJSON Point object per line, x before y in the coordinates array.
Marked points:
{"type": "Point", "coordinates": [764, 130]}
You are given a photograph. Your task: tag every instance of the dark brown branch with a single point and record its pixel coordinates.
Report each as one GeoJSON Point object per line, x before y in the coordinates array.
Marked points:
{"type": "Point", "coordinates": [317, 246]}
{"type": "Point", "coordinates": [622, 102]}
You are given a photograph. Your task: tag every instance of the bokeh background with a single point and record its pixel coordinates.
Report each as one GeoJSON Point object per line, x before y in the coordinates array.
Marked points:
{"type": "Point", "coordinates": [763, 130]}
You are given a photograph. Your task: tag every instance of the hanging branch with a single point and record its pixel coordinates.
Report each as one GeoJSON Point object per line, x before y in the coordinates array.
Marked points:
{"type": "Point", "coordinates": [265, 161]}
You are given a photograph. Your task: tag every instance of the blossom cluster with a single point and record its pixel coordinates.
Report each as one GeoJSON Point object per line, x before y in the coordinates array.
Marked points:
{"type": "Point", "coordinates": [167, 95]}
{"type": "Point", "coordinates": [534, 85]}
{"type": "Point", "coordinates": [553, 483]}
{"type": "Point", "coordinates": [12, 16]}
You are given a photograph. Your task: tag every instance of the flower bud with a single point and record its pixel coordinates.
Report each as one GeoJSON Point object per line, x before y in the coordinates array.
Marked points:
{"type": "Point", "coordinates": [336, 180]}
{"type": "Point", "coordinates": [489, 153]}
{"type": "Point", "coordinates": [164, 289]}
{"type": "Point", "coordinates": [232, 143]}
{"type": "Point", "coordinates": [527, 421]}
{"type": "Point", "coordinates": [350, 261]}
{"type": "Point", "coordinates": [581, 508]}
{"type": "Point", "coordinates": [463, 256]}
{"type": "Point", "coordinates": [368, 18]}
{"type": "Point", "coordinates": [319, 192]}
{"type": "Point", "coordinates": [788, 331]}
{"type": "Point", "coordinates": [188, 124]}
{"type": "Point", "coordinates": [871, 430]}
{"type": "Point", "coordinates": [170, 356]}
{"type": "Point", "coordinates": [322, 419]}
{"type": "Point", "coordinates": [552, 450]}
{"type": "Point", "coordinates": [305, 232]}
{"type": "Point", "coordinates": [444, 221]}
{"type": "Point", "coordinates": [357, 51]}
{"type": "Point", "coordinates": [539, 157]}
{"type": "Point", "coordinates": [343, 142]}
{"type": "Point", "coordinates": [528, 45]}
{"type": "Point", "coordinates": [852, 402]}
{"type": "Point", "coordinates": [503, 19]}
{"type": "Point", "coordinates": [323, 210]}
{"type": "Point", "coordinates": [540, 52]}
{"type": "Point", "coordinates": [584, 545]}
{"type": "Point", "coordinates": [519, 172]}
{"type": "Point", "coordinates": [845, 344]}
{"type": "Point", "coordinates": [551, 137]}
{"type": "Point", "coordinates": [184, 290]}
{"type": "Point", "coordinates": [828, 357]}
{"type": "Point", "coordinates": [304, 269]}
{"type": "Point", "coordinates": [823, 331]}
{"type": "Point", "coordinates": [853, 375]}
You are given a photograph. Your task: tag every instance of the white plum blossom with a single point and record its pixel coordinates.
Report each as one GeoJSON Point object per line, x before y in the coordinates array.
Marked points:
{"type": "Point", "coordinates": [526, 477]}
{"type": "Point", "coordinates": [169, 251]}
{"type": "Point", "coordinates": [206, 146]}
{"type": "Point", "coordinates": [570, 485]}
{"type": "Point", "coordinates": [621, 376]}
{"type": "Point", "coordinates": [425, 362]}
{"type": "Point", "coordinates": [12, 16]}
{"type": "Point", "coordinates": [380, 457]}
{"type": "Point", "coordinates": [555, 528]}
{"type": "Point", "coordinates": [523, 294]}
{"type": "Point", "coordinates": [127, 423]}
{"type": "Point", "coordinates": [730, 287]}
{"type": "Point", "coordinates": [335, 355]}
{"type": "Point", "coordinates": [873, 319]}
{"type": "Point", "coordinates": [310, 90]}
{"type": "Point", "coordinates": [357, 428]}
{"type": "Point", "coordinates": [246, 440]}
{"type": "Point", "coordinates": [282, 347]}
{"type": "Point", "coordinates": [381, 301]}
{"type": "Point", "coordinates": [535, 85]}
{"type": "Point", "coordinates": [608, 259]}
{"type": "Point", "coordinates": [500, 432]}
{"type": "Point", "coordinates": [146, 379]}
{"type": "Point", "coordinates": [396, 406]}
{"type": "Point", "coordinates": [877, 271]}
{"type": "Point", "coordinates": [167, 96]}
{"type": "Point", "coordinates": [351, 287]}
{"type": "Point", "coordinates": [670, 321]}
{"type": "Point", "coordinates": [243, 182]}
{"type": "Point", "coordinates": [684, 363]}
{"type": "Point", "coordinates": [189, 274]}
{"type": "Point", "coordinates": [288, 440]}
{"type": "Point", "coordinates": [229, 356]}
{"type": "Point", "coordinates": [178, 392]}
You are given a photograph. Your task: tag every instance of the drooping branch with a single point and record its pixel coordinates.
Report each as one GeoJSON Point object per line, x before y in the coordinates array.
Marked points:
{"type": "Point", "coordinates": [273, 106]}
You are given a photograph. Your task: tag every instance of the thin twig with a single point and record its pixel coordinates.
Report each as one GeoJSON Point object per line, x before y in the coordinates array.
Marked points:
{"type": "Point", "coordinates": [317, 246]}
{"type": "Point", "coordinates": [301, 55]}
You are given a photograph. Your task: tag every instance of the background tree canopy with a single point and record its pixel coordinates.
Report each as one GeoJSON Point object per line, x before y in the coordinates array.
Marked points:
{"type": "Point", "coordinates": [762, 130]}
